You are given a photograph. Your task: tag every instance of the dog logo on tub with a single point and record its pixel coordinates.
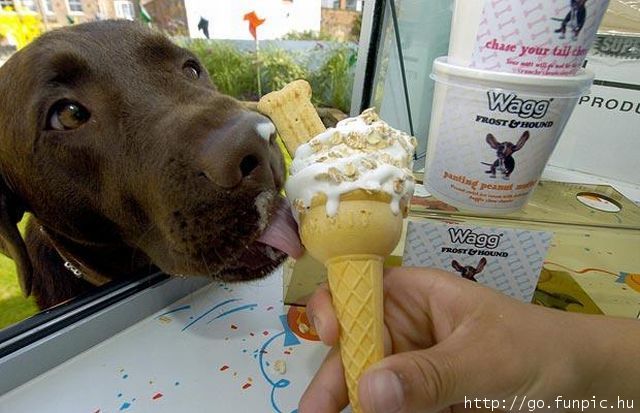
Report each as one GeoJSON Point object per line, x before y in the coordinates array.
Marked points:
{"type": "Point", "coordinates": [504, 153]}
{"type": "Point", "coordinates": [574, 19]}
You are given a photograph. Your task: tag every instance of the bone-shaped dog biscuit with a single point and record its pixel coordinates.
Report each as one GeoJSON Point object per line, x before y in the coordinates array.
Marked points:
{"type": "Point", "coordinates": [291, 110]}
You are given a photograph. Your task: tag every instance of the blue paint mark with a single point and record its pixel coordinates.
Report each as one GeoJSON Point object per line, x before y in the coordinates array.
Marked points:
{"type": "Point", "coordinates": [274, 385]}
{"type": "Point", "coordinates": [175, 310]}
{"type": "Point", "coordinates": [176, 383]}
{"type": "Point", "coordinates": [290, 339]}
{"type": "Point", "coordinates": [209, 311]}
{"type": "Point", "coordinates": [126, 376]}
{"type": "Point", "coordinates": [226, 313]}
{"type": "Point", "coordinates": [621, 277]}
{"type": "Point", "coordinates": [119, 395]}
{"type": "Point", "coordinates": [280, 384]}
{"type": "Point", "coordinates": [125, 406]}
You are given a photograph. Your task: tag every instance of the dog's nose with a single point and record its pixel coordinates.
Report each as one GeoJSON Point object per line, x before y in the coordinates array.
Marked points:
{"type": "Point", "coordinates": [239, 150]}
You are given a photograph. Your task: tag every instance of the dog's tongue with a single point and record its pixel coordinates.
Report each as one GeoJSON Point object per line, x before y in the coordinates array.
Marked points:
{"type": "Point", "coordinates": [282, 232]}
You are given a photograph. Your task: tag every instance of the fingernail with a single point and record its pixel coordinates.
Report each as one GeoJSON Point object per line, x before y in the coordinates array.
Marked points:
{"type": "Point", "coordinates": [384, 390]}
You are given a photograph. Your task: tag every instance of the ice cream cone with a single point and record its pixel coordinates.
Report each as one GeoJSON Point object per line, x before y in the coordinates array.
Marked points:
{"type": "Point", "coordinates": [349, 186]}
{"type": "Point", "coordinates": [353, 245]}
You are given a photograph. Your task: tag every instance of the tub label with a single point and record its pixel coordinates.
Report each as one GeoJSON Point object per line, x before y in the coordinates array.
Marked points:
{"type": "Point", "coordinates": [487, 149]}
{"type": "Point", "coordinates": [550, 37]}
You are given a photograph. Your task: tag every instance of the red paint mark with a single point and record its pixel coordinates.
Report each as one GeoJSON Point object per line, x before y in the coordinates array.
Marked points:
{"type": "Point", "coordinates": [246, 386]}
{"type": "Point", "coordinates": [234, 327]}
{"type": "Point", "coordinates": [97, 411]}
{"type": "Point", "coordinates": [270, 308]}
{"type": "Point", "coordinates": [287, 352]}
{"type": "Point", "coordinates": [157, 396]}
{"type": "Point", "coordinates": [223, 368]}
{"type": "Point", "coordinates": [265, 333]}
{"type": "Point", "coordinates": [251, 334]}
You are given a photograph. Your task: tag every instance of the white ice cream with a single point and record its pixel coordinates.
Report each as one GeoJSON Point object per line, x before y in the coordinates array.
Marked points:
{"type": "Point", "coordinates": [359, 153]}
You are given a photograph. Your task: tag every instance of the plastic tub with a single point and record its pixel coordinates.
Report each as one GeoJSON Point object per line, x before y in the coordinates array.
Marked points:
{"type": "Point", "coordinates": [492, 133]}
{"type": "Point", "coordinates": [535, 37]}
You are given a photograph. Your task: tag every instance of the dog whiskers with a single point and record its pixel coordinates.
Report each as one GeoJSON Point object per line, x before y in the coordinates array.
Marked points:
{"type": "Point", "coordinates": [204, 261]}
{"type": "Point", "coordinates": [8, 180]}
{"type": "Point", "coordinates": [138, 241]}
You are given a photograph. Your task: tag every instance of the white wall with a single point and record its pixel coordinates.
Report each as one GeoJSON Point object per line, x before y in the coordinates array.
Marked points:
{"type": "Point", "coordinates": [226, 17]}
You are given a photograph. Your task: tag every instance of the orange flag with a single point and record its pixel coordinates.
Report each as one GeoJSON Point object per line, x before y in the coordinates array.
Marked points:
{"type": "Point", "coordinates": [254, 22]}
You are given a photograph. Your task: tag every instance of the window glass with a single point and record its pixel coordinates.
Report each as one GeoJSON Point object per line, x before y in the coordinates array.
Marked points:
{"type": "Point", "coordinates": [124, 10]}
{"type": "Point", "coordinates": [294, 41]}
{"type": "Point", "coordinates": [7, 4]}
{"type": "Point", "coordinates": [30, 5]}
{"type": "Point", "coordinates": [75, 6]}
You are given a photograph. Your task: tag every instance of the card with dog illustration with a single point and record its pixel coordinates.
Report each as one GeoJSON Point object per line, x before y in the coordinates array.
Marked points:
{"type": "Point", "coordinates": [550, 37]}
{"type": "Point", "coordinates": [506, 259]}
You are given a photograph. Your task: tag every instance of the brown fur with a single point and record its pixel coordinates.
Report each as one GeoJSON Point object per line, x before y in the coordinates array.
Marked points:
{"type": "Point", "coordinates": [164, 175]}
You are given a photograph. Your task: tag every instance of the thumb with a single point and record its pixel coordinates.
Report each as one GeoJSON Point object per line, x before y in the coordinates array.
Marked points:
{"type": "Point", "coordinates": [417, 381]}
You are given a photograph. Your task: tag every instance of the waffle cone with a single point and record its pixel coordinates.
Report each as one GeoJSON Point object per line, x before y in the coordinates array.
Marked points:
{"type": "Point", "coordinates": [353, 246]}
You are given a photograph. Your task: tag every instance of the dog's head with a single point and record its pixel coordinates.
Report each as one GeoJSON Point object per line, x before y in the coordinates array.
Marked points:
{"type": "Point", "coordinates": [112, 135]}
{"type": "Point", "coordinates": [506, 149]}
{"type": "Point", "coordinates": [467, 271]}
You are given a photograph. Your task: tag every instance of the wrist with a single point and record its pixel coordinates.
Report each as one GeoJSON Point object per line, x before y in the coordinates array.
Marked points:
{"type": "Point", "coordinates": [605, 359]}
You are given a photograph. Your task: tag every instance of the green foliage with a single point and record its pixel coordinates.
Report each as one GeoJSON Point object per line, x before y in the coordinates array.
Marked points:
{"type": "Point", "coordinates": [308, 35]}
{"type": "Point", "coordinates": [356, 27]}
{"type": "Point", "coordinates": [14, 306]}
{"type": "Point", "coordinates": [231, 70]}
{"type": "Point", "coordinates": [277, 68]}
{"type": "Point", "coordinates": [333, 82]}
{"type": "Point", "coordinates": [234, 71]}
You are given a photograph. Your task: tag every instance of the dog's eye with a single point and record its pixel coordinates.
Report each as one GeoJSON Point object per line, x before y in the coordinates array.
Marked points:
{"type": "Point", "coordinates": [67, 115]}
{"type": "Point", "coordinates": [191, 69]}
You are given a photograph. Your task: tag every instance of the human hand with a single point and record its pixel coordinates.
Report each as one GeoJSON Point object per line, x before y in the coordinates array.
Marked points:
{"type": "Point", "coordinates": [451, 340]}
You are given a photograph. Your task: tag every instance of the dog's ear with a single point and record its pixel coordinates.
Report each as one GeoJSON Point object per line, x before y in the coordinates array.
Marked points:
{"type": "Point", "coordinates": [481, 265]}
{"type": "Point", "coordinates": [521, 141]}
{"type": "Point", "coordinates": [456, 266]}
{"type": "Point", "coordinates": [491, 140]}
{"type": "Point", "coordinates": [11, 242]}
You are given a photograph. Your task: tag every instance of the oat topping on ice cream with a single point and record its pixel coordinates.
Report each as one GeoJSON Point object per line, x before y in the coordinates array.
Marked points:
{"type": "Point", "coordinates": [359, 153]}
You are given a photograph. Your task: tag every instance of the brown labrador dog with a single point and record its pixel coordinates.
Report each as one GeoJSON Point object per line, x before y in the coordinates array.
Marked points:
{"type": "Point", "coordinates": [129, 161]}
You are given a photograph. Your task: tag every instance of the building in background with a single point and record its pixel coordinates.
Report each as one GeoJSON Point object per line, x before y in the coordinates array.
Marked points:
{"type": "Point", "coordinates": [58, 13]}
{"type": "Point", "coordinates": [170, 16]}
{"type": "Point", "coordinates": [224, 19]}
{"type": "Point", "coordinates": [342, 18]}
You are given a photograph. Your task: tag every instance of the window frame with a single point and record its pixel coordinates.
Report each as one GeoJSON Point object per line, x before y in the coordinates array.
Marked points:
{"type": "Point", "coordinates": [60, 333]}
{"type": "Point", "coordinates": [118, 6]}
{"type": "Point", "coordinates": [47, 6]}
{"type": "Point", "coordinates": [7, 3]}
{"type": "Point", "coordinates": [75, 12]}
